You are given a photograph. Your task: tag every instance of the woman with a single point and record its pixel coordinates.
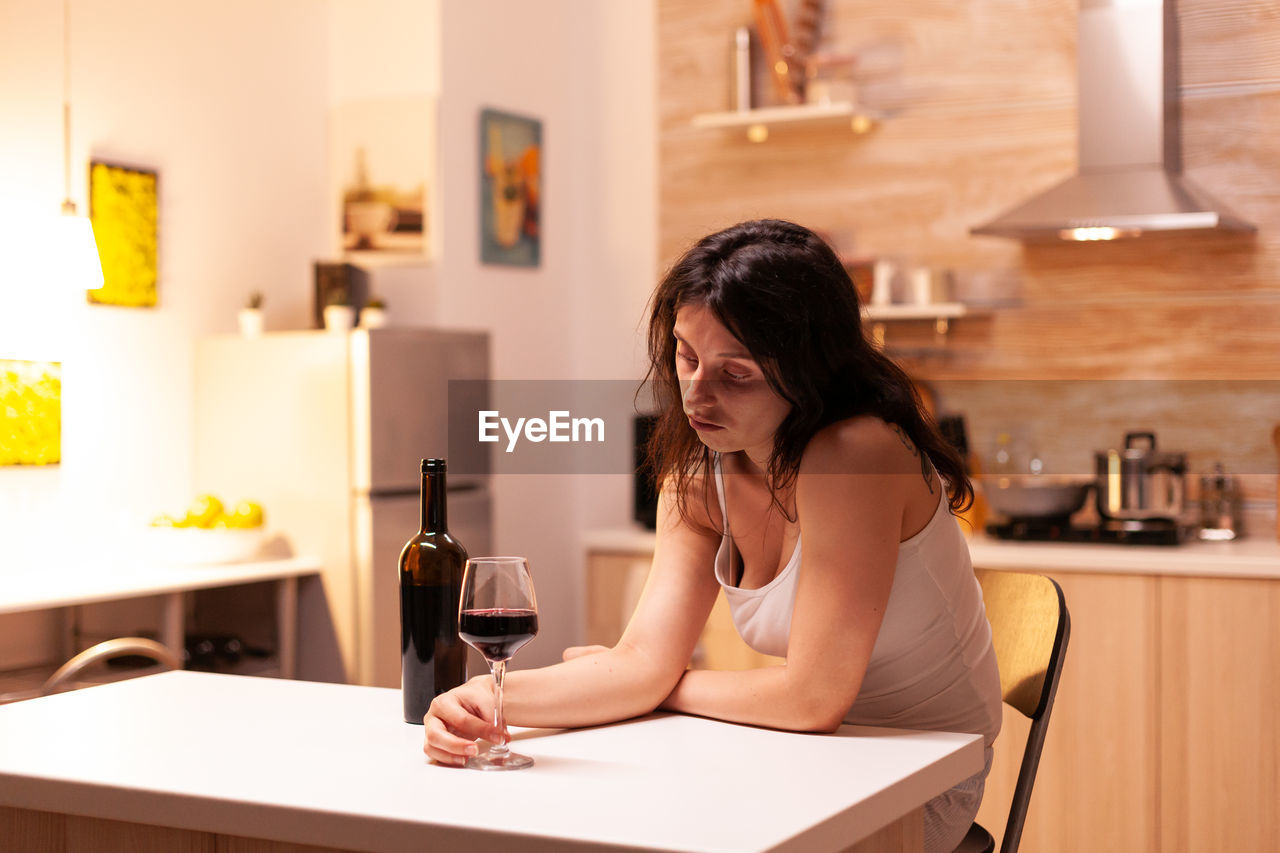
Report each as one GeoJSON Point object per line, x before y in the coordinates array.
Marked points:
{"type": "Point", "coordinates": [780, 421]}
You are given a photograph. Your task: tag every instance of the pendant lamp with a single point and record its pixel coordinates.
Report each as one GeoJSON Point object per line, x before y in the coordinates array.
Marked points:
{"type": "Point", "coordinates": [75, 250]}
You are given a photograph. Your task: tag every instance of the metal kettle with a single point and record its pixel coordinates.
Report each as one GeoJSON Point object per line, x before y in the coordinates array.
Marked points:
{"type": "Point", "coordinates": [1140, 482]}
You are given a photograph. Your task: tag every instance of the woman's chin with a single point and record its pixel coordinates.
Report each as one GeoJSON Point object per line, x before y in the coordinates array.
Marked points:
{"type": "Point", "coordinates": [716, 440]}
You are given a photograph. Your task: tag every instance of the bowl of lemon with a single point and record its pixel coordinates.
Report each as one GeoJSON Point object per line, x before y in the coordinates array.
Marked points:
{"type": "Point", "coordinates": [210, 531]}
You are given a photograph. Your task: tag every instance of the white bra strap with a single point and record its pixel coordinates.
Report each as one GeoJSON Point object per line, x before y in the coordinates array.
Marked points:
{"type": "Point", "coordinates": [724, 514]}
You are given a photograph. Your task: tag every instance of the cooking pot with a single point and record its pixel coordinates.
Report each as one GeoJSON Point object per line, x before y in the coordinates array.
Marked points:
{"type": "Point", "coordinates": [1038, 496]}
{"type": "Point", "coordinates": [1140, 482]}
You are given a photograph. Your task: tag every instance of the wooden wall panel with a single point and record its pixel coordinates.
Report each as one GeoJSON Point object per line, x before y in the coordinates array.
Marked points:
{"type": "Point", "coordinates": [1229, 42]}
{"type": "Point", "coordinates": [970, 131]}
{"type": "Point", "coordinates": [981, 113]}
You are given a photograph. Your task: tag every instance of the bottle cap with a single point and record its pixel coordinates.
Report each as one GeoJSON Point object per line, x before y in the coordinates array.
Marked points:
{"type": "Point", "coordinates": [433, 466]}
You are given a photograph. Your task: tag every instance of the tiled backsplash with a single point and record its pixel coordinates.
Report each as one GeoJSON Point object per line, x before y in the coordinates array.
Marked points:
{"type": "Point", "coordinates": [1065, 422]}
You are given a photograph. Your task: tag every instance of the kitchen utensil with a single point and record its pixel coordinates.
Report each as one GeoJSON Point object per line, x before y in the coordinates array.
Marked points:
{"type": "Point", "coordinates": [922, 285]}
{"type": "Point", "coordinates": [742, 69]}
{"type": "Point", "coordinates": [1024, 497]}
{"type": "Point", "coordinates": [1140, 482]}
{"type": "Point", "coordinates": [829, 79]}
{"type": "Point", "coordinates": [882, 282]}
{"type": "Point", "coordinates": [1219, 506]}
{"type": "Point", "coordinates": [779, 51]}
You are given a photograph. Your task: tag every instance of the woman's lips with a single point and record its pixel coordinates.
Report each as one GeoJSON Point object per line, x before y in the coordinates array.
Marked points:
{"type": "Point", "coordinates": [703, 426]}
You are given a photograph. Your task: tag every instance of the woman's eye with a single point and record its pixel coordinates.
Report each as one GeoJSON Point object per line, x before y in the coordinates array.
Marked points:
{"type": "Point", "coordinates": [737, 377]}
{"type": "Point", "coordinates": [686, 357]}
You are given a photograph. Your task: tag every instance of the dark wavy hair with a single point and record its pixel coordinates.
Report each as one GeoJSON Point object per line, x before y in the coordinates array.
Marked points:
{"type": "Point", "coordinates": [783, 293]}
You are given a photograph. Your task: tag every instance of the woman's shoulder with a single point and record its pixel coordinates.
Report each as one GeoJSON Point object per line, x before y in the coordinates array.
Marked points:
{"type": "Point", "coordinates": [862, 444]}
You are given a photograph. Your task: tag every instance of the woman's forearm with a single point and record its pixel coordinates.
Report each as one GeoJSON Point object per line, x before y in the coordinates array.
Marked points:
{"type": "Point", "coordinates": [599, 688]}
{"type": "Point", "coordinates": [768, 696]}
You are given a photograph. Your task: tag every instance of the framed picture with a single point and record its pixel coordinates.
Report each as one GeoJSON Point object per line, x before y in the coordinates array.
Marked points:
{"type": "Point", "coordinates": [123, 210]}
{"type": "Point", "coordinates": [382, 154]}
{"type": "Point", "coordinates": [30, 412]}
{"type": "Point", "coordinates": [510, 189]}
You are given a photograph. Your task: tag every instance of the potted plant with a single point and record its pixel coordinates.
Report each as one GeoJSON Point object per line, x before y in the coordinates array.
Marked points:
{"type": "Point", "coordinates": [251, 317]}
{"type": "Point", "coordinates": [338, 315]}
{"type": "Point", "coordinates": [374, 314]}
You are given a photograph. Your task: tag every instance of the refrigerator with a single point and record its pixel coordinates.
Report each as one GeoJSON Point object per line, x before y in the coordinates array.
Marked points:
{"type": "Point", "coordinates": [326, 430]}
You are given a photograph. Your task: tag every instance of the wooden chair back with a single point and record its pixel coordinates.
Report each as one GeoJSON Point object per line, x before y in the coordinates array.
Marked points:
{"type": "Point", "coordinates": [1030, 627]}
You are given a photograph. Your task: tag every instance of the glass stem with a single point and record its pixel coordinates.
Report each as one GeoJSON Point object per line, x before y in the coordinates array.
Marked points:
{"type": "Point", "coordinates": [499, 749]}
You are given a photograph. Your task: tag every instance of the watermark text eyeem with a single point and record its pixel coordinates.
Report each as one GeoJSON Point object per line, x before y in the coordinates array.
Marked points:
{"type": "Point", "coordinates": [558, 427]}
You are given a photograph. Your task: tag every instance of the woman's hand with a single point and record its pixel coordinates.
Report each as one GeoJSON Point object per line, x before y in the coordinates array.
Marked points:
{"type": "Point", "coordinates": [457, 719]}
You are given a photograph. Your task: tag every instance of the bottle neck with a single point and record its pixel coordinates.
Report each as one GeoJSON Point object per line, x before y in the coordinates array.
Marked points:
{"type": "Point", "coordinates": [433, 509]}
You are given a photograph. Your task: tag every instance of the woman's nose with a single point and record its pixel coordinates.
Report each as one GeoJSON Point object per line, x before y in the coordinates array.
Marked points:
{"type": "Point", "coordinates": [696, 390]}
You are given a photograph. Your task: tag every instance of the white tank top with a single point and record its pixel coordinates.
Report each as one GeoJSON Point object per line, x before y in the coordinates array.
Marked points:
{"type": "Point", "coordinates": [933, 666]}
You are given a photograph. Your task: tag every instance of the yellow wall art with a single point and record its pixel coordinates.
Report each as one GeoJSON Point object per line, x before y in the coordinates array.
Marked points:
{"type": "Point", "coordinates": [30, 412]}
{"type": "Point", "coordinates": [123, 208]}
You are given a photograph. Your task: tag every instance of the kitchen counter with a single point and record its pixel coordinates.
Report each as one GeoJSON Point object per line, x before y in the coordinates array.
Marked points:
{"type": "Point", "coordinates": [1257, 557]}
{"type": "Point", "coordinates": [46, 586]}
{"type": "Point", "coordinates": [334, 765]}
{"type": "Point", "coordinates": [1243, 558]}
{"type": "Point", "coordinates": [53, 584]}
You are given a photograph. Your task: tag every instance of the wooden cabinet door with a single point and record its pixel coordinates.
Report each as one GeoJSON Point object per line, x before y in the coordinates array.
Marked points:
{"type": "Point", "coordinates": [1095, 789]}
{"type": "Point", "coordinates": [614, 583]}
{"type": "Point", "coordinates": [1219, 694]}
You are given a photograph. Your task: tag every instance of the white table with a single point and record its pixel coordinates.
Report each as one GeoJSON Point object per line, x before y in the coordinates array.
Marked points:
{"type": "Point", "coordinates": [334, 765]}
{"type": "Point", "coordinates": [48, 587]}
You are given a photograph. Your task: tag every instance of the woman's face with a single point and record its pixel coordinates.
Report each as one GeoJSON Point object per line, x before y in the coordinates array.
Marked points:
{"type": "Point", "coordinates": [726, 397]}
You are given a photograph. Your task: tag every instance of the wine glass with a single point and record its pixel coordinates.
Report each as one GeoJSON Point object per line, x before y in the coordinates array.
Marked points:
{"type": "Point", "coordinates": [496, 616]}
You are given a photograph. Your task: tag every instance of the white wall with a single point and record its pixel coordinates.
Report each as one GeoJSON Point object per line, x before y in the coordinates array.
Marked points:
{"type": "Point", "coordinates": [228, 102]}
{"type": "Point", "coordinates": [585, 69]}
{"type": "Point", "coordinates": [387, 52]}
{"type": "Point", "coordinates": [620, 222]}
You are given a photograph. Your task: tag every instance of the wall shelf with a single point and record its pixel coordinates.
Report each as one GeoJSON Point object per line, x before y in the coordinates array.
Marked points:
{"type": "Point", "coordinates": [941, 313]}
{"type": "Point", "coordinates": [930, 311]}
{"type": "Point", "coordinates": [757, 122]}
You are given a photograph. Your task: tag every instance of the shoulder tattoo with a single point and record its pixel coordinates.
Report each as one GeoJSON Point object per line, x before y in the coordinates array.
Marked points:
{"type": "Point", "coordinates": [926, 466]}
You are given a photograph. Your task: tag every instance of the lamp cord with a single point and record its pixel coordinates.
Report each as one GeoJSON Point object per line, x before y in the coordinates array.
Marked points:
{"type": "Point", "coordinates": [68, 206]}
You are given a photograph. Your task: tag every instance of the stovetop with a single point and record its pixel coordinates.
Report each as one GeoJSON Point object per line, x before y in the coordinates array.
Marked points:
{"type": "Point", "coordinates": [1147, 532]}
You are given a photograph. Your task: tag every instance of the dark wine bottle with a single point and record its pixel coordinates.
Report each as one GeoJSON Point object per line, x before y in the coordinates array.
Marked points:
{"type": "Point", "coordinates": [433, 658]}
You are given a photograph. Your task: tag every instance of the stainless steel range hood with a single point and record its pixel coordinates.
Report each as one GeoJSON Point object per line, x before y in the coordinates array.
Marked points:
{"type": "Point", "coordinates": [1130, 150]}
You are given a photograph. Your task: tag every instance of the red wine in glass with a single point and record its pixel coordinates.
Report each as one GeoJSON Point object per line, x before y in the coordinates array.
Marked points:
{"type": "Point", "coordinates": [498, 632]}
{"type": "Point", "coordinates": [497, 615]}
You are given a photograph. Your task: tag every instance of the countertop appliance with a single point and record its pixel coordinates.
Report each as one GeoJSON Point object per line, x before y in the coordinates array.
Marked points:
{"type": "Point", "coordinates": [644, 495]}
{"type": "Point", "coordinates": [1139, 493]}
{"type": "Point", "coordinates": [1140, 482]}
{"type": "Point", "coordinates": [326, 430]}
{"type": "Point", "coordinates": [1104, 532]}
